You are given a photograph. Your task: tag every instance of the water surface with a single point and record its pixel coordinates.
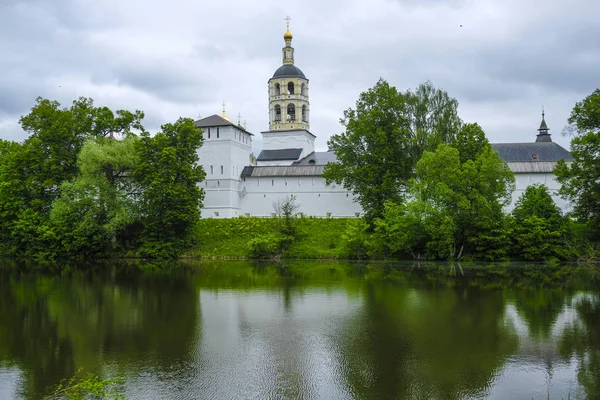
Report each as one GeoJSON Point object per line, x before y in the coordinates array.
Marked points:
{"type": "Point", "coordinates": [304, 330]}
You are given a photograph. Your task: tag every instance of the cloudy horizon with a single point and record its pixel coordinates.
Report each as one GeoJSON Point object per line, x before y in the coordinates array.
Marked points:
{"type": "Point", "coordinates": [501, 60]}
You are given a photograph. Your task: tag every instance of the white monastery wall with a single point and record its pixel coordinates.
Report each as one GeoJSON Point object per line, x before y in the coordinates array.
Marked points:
{"type": "Point", "coordinates": [313, 197]}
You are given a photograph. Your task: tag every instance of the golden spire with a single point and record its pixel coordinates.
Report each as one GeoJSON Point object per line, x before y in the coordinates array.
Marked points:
{"type": "Point", "coordinates": [287, 35]}
{"type": "Point", "coordinates": [223, 115]}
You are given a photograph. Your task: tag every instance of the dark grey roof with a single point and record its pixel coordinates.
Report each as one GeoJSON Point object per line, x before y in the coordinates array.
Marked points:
{"type": "Point", "coordinates": [280, 154]}
{"type": "Point", "coordinates": [283, 170]}
{"type": "Point", "coordinates": [247, 171]}
{"type": "Point", "coordinates": [318, 158]}
{"type": "Point", "coordinates": [288, 70]}
{"type": "Point", "coordinates": [216, 120]}
{"type": "Point", "coordinates": [522, 152]}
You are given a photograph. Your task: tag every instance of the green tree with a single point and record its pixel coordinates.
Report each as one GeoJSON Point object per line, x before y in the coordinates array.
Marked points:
{"type": "Point", "coordinates": [456, 203]}
{"type": "Point", "coordinates": [167, 170]}
{"type": "Point", "coordinates": [580, 180]}
{"type": "Point", "coordinates": [31, 173]}
{"type": "Point", "coordinates": [96, 211]}
{"type": "Point", "coordinates": [540, 227]}
{"type": "Point", "coordinates": [384, 138]}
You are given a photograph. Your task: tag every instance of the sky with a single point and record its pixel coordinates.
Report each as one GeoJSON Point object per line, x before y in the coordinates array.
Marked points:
{"type": "Point", "coordinates": [502, 60]}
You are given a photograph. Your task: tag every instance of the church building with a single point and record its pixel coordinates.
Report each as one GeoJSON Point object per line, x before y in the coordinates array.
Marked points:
{"type": "Point", "coordinates": [239, 184]}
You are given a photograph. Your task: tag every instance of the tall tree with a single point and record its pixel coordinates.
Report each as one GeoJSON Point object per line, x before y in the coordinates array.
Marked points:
{"type": "Point", "coordinates": [168, 172]}
{"type": "Point", "coordinates": [456, 204]}
{"type": "Point", "coordinates": [32, 172]}
{"type": "Point", "coordinates": [581, 179]}
{"type": "Point", "coordinates": [384, 138]}
{"type": "Point", "coordinates": [95, 212]}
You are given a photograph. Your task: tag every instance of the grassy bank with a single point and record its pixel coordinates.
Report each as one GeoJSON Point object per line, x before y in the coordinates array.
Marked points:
{"type": "Point", "coordinates": [316, 238]}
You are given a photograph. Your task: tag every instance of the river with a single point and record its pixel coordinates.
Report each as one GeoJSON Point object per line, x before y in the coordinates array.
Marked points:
{"type": "Point", "coordinates": [303, 330]}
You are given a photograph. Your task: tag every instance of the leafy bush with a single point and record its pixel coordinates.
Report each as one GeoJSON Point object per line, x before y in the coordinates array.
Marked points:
{"type": "Point", "coordinates": [268, 246]}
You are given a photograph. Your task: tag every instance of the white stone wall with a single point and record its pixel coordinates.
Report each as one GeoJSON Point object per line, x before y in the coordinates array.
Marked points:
{"type": "Point", "coordinates": [312, 195]}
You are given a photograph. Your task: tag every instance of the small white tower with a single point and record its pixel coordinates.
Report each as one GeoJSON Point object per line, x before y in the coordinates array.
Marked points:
{"type": "Point", "coordinates": [226, 151]}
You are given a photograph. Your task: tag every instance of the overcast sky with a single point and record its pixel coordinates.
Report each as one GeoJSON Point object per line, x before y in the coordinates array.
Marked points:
{"type": "Point", "coordinates": [183, 58]}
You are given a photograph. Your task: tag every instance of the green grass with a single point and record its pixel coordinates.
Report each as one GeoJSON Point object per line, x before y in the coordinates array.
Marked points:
{"type": "Point", "coordinates": [317, 238]}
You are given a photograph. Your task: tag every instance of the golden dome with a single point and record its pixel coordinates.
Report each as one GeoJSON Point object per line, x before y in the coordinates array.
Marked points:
{"type": "Point", "coordinates": [287, 35]}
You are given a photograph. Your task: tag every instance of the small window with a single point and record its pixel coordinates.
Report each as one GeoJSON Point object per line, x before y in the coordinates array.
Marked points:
{"type": "Point", "coordinates": [272, 182]}
{"type": "Point", "coordinates": [221, 170]}
{"type": "Point", "coordinates": [346, 195]}
{"type": "Point", "coordinates": [217, 132]}
{"type": "Point", "coordinates": [277, 89]}
{"type": "Point", "coordinates": [534, 156]}
{"type": "Point", "coordinates": [218, 183]}
{"type": "Point", "coordinates": [216, 213]}
{"type": "Point", "coordinates": [290, 87]}
{"type": "Point", "coordinates": [312, 162]}
{"type": "Point", "coordinates": [209, 133]}
{"type": "Point", "coordinates": [328, 215]}
{"type": "Point", "coordinates": [357, 215]}
{"type": "Point", "coordinates": [258, 182]}
{"type": "Point", "coordinates": [286, 182]}
{"type": "Point", "coordinates": [211, 169]}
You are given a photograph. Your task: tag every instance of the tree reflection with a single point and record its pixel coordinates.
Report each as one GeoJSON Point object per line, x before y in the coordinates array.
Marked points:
{"type": "Point", "coordinates": [445, 343]}
{"type": "Point", "coordinates": [582, 339]}
{"type": "Point", "coordinates": [53, 325]}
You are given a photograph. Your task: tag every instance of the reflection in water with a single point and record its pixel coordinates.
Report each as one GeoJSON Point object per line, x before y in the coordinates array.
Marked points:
{"type": "Point", "coordinates": [53, 325]}
{"type": "Point", "coordinates": [304, 330]}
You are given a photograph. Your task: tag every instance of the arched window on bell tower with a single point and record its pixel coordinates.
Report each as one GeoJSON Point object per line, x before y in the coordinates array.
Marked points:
{"type": "Point", "coordinates": [277, 113]}
{"type": "Point", "coordinates": [277, 89]}
{"type": "Point", "coordinates": [304, 114]}
{"type": "Point", "coordinates": [303, 90]}
{"type": "Point", "coordinates": [291, 112]}
{"type": "Point", "coordinates": [290, 87]}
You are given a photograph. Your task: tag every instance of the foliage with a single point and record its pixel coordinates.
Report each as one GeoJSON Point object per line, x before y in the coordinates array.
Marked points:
{"type": "Point", "coordinates": [72, 190]}
{"type": "Point", "coordinates": [356, 239]}
{"type": "Point", "coordinates": [540, 228]}
{"type": "Point", "coordinates": [456, 204]}
{"type": "Point", "coordinates": [101, 203]}
{"type": "Point", "coordinates": [384, 138]}
{"type": "Point", "coordinates": [167, 170]}
{"type": "Point", "coordinates": [88, 387]}
{"type": "Point", "coordinates": [286, 210]}
{"type": "Point", "coordinates": [580, 180]}
{"type": "Point", "coordinates": [268, 246]}
{"type": "Point", "coordinates": [31, 173]}
{"type": "Point", "coordinates": [316, 238]}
